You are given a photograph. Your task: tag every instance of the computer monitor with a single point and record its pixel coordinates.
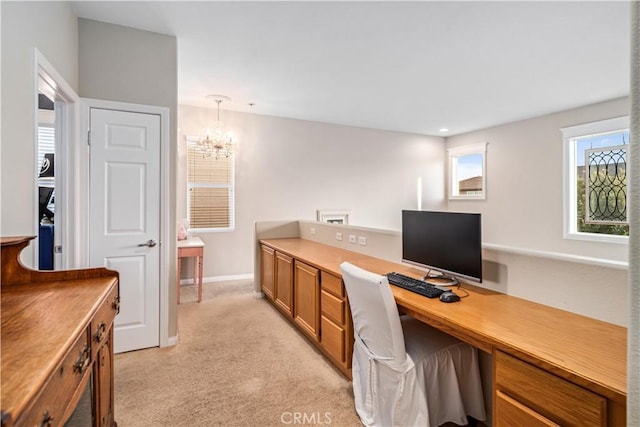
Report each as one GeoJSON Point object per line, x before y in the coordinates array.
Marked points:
{"type": "Point", "coordinates": [45, 198]}
{"type": "Point", "coordinates": [448, 242]}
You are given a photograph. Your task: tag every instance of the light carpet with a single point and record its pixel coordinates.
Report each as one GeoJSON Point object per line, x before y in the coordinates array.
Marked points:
{"type": "Point", "coordinates": [238, 363]}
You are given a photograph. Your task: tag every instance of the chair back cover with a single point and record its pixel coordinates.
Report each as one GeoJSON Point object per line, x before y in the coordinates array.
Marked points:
{"type": "Point", "coordinates": [375, 315]}
{"type": "Point", "coordinates": [406, 373]}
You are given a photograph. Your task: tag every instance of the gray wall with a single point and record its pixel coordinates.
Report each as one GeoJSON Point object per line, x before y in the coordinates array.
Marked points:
{"type": "Point", "coordinates": [288, 169]}
{"type": "Point", "coordinates": [52, 28]}
{"type": "Point", "coordinates": [523, 207]}
{"type": "Point", "coordinates": [127, 65]}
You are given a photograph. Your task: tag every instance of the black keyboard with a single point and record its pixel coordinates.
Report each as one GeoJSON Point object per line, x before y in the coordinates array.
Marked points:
{"type": "Point", "coordinates": [414, 285]}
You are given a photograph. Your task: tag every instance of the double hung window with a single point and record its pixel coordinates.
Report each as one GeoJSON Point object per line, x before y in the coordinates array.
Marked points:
{"type": "Point", "coordinates": [210, 190]}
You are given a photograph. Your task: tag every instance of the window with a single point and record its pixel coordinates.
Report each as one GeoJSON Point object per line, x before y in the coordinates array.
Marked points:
{"type": "Point", "coordinates": [595, 180]}
{"type": "Point", "coordinates": [210, 190]}
{"type": "Point", "coordinates": [467, 172]}
{"type": "Point", "coordinates": [46, 143]}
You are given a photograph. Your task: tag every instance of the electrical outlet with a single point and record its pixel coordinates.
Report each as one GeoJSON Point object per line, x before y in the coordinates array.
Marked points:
{"type": "Point", "coordinates": [313, 231]}
{"type": "Point", "coordinates": [352, 238]}
{"type": "Point", "coordinates": [362, 240]}
{"type": "Point", "coordinates": [338, 236]}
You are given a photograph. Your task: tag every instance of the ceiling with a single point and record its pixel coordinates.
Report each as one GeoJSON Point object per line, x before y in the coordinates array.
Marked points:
{"type": "Point", "coordinates": [404, 66]}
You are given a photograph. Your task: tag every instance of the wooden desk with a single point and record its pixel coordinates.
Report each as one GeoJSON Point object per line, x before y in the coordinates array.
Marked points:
{"type": "Point", "coordinates": [192, 247]}
{"type": "Point", "coordinates": [57, 343]}
{"type": "Point", "coordinates": [533, 345]}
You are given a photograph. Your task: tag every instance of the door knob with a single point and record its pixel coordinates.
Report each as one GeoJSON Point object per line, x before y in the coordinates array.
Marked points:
{"type": "Point", "coordinates": [150, 243]}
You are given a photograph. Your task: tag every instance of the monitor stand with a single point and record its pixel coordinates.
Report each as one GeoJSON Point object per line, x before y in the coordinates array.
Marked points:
{"type": "Point", "coordinates": [443, 280]}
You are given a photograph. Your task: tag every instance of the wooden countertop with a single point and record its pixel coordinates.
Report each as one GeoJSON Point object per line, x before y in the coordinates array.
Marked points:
{"type": "Point", "coordinates": [586, 351]}
{"type": "Point", "coordinates": [39, 324]}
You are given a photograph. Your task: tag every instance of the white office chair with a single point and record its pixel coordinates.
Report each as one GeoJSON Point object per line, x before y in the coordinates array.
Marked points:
{"type": "Point", "coordinates": [406, 373]}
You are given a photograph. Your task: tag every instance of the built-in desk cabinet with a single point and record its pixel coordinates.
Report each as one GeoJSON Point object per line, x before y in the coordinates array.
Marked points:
{"type": "Point", "coordinates": [314, 300]}
{"type": "Point", "coordinates": [335, 320]}
{"type": "Point", "coordinates": [306, 294]}
{"type": "Point", "coordinates": [267, 271]}
{"type": "Point", "coordinates": [284, 283]}
{"type": "Point", "coordinates": [550, 367]}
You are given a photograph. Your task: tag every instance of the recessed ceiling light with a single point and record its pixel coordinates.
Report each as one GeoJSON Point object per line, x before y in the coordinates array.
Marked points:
{"type": "Point", "coordinates": [444, 130]}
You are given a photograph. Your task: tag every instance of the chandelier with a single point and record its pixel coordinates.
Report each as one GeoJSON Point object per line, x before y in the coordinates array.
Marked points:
{"type": "Point", "coordinates": [216, 143]}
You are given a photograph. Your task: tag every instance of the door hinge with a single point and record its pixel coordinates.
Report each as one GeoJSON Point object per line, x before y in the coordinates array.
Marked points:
{"type": "Point", "coordinates": [89, 137]}
{"type": "Point", "coordinates": [57, 249]}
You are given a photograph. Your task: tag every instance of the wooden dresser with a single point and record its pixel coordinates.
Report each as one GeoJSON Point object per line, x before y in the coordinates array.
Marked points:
{"type": "Point", "coordinates": [56, 344]}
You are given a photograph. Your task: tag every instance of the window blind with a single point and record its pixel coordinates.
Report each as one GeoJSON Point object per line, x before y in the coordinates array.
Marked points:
{"type": "Point", "coordinates": [210, 190]}
{"type": "Point", "coordinates": [46, 142]}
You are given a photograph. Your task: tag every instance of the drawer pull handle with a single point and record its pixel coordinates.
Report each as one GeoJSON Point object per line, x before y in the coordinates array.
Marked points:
{"type": "Point", "coordinates": [99, 332]}
{"type": "Point", "coordinates": [116, 304]}
{"type": "Point", "coordinates": [47, 419]}
{"type": "Point", "coordinates": [83, 362]}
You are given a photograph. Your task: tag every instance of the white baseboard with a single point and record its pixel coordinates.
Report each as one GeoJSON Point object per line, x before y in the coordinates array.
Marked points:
{"type": "Point", "coordinates": [212, 279]}
{"type": "Point", "coordinates": [258, 295]}
{"type": "Point", "coordinates": [172, 341]}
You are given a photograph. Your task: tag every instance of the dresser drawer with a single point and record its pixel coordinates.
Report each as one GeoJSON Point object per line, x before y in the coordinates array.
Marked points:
{"type": "Point", "coordinates": [103, 319]}
{"type": "Point", "coordinates": [332, 284]}
{"type": "Point", "coordinates": [60, 395]}
{"type": "Point", "coordinates": [332, 307]}
{"type": "Point", "coordinates": [332, 338]}
{"type": "Point", "coordinates": [550, 396]}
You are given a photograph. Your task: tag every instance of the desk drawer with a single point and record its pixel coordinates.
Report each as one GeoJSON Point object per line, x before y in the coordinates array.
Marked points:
{"type": "Point", "coordinates": [190, 252]}
{"type": "Point", "coordinates": [332, 307]}
{"type": "Point", "coordinates": [332, 284]}
{"type": "Point", "coordinates": [332, 339]}
{"type": "Point", "coordinates": [546, 394]}
{"type": "Point", "coordinates": [510, 412]}
{"type": "Point", "coordinates": [59, 397]}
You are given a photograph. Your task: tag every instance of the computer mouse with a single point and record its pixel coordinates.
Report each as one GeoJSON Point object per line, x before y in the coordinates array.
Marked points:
{"type": "Point", "coordinates": [449, 296]}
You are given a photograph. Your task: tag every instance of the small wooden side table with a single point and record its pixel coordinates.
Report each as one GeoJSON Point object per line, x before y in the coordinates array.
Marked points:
{"type": "Point", "coordinates": [192, 247]}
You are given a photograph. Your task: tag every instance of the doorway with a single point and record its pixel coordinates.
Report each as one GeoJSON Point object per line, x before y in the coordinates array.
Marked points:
{"type": "Point", "coordinates": [46, 183]}
{"type": "Point", "coordinates": [56, 129]}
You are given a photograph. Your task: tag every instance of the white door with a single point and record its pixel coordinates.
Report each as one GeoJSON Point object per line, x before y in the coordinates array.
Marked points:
{"type": "Point", "coordinates": [125, 218]}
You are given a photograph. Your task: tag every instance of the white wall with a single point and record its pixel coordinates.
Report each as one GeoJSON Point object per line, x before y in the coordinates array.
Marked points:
{"type": "Point", "coordinates": [52, 28]}
{"type": "Point", "coordinates": [287, 169]}
{"type": "Point", "coordinates": [128, 65]}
